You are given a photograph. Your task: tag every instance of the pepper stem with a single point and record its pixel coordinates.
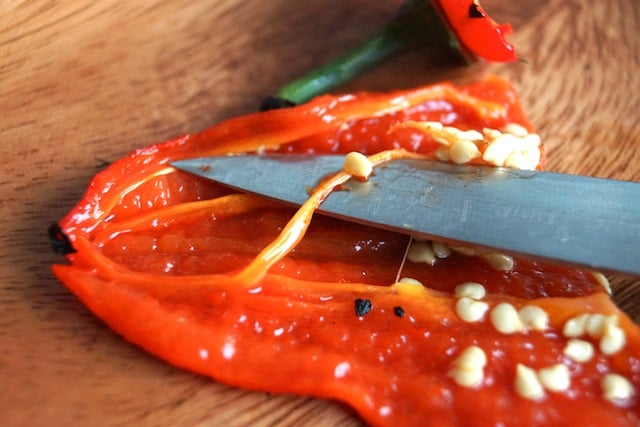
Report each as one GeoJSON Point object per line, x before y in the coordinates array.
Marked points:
{"type": "Point", "coordinates": [341, 70]}
{"type": "Point", "coordinates": [418, 23]}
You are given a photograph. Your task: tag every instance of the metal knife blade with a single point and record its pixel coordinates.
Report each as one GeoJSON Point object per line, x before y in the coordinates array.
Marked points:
{"type": "Point", "coordinates": [589, 222]}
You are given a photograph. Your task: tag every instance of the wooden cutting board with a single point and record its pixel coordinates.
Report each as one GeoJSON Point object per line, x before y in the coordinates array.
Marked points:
{"type": "Point", "coordinates": [83, 83]}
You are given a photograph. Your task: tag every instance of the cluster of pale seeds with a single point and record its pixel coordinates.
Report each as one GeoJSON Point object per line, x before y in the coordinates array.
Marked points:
{"type": "Point", "coordinates": [512, 146]}
{"type": "Point", "coordinates": [531, 383]}
{"type": "Point", "coordinates": [429, 251]}
{"type": "Point", "coordinates": [468, 367]}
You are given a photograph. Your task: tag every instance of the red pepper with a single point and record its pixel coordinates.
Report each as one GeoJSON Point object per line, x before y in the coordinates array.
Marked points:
{"type": "Point", "coordinates": [162, 257]}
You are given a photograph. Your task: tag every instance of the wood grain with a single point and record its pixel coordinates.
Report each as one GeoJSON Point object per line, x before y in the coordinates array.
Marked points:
{"type": "Point", "coordinates": [82, 83]}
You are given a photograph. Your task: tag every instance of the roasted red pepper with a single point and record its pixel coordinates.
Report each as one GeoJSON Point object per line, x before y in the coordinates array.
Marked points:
{"type": "Point", "coordinates": [177, 266]}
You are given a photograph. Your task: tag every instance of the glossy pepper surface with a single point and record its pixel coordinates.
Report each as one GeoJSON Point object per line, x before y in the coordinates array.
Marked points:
{"type": "Point", "coordinates": [175, 265]}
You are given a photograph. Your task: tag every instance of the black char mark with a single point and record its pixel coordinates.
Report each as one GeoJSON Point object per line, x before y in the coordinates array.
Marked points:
{"type": "Point", "coordinates": [363, 306]}
{"type": "Point", "coordinates": [398, 311]}
{"type": "Point", "coordinates": [475, 11]}
{"type": "Point", "coordinates": [59, 241]}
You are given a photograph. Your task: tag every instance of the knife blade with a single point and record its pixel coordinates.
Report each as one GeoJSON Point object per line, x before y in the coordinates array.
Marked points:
{"type": "Point", "coordinates": [578, 220]}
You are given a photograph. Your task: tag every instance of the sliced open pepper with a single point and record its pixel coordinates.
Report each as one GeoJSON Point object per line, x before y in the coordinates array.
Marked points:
{"type": "Point", "coordinates": [196, 275]}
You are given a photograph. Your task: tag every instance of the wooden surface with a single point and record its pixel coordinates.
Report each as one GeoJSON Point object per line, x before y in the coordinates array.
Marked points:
{"type": "Point", "coordinates": [82, 83]}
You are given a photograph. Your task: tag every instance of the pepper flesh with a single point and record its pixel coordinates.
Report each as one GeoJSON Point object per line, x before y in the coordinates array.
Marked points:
{"type": "Point", "coordinates": [160, 255]}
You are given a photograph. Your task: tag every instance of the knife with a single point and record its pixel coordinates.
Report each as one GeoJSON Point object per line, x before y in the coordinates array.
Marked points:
{"type": "Point", "coordinates": [578, 220]}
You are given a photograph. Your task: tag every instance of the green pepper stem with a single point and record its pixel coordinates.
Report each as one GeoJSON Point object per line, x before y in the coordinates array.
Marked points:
{"type": "Point", "coordinates": [419, 24]}
{"type": "Point", "coordinates": [344, 68]}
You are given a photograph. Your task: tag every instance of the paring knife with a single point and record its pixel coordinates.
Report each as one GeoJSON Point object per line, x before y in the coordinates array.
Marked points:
{"type": "Point", "coordinates": [589, 222]}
